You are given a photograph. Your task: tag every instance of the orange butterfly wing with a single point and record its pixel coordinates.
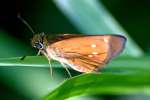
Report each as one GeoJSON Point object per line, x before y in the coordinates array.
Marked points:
{"type": "Point", "coordinates": [88, 53]}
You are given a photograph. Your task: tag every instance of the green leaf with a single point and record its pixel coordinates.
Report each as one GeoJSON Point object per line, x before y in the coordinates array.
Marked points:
{"type": "Point", "coordinates": [120, 76]}
{"type": "Point", "coordinates": [30, 61]}
{"type": "Point", "coordinates": [105, 83]}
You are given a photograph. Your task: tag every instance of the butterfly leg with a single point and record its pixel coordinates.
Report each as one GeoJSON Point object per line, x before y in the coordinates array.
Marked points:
{"type": "Point", "coordinates": [50, 65]}
{"type": "Point", "coordinates": [49, 60]}
{"type": "Point", "coordinates": [66, 69]}
{"type": "Point", "coordinates": [39, 52]}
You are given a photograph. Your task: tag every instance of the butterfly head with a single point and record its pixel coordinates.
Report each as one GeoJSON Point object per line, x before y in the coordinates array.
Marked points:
{"type": "Point", "coordinates": [39, 41]}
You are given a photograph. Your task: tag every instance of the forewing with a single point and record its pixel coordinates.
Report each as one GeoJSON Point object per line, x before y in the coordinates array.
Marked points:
{"type": "Point", "coordinates": [116, 44]}
{"type": "Point", "coordinates": [88, 52]}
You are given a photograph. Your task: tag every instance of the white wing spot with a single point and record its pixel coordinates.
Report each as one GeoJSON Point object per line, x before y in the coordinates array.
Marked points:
{"type": "Point", "coordinates": [105, 40]}
{"type": "Point", "coordinates": [94, 53]}
{"type": "Point", "coordinates": [90, 56]}
{"type": "Point", "coordinates": [93, 45]}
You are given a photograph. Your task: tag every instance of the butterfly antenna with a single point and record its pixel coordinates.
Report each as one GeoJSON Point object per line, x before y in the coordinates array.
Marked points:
{"type": "Point", "coordinates": [25, 22]}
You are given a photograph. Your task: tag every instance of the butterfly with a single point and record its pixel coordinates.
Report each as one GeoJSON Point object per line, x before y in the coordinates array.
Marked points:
{"type": "Point", "coordinates": [83, 53]}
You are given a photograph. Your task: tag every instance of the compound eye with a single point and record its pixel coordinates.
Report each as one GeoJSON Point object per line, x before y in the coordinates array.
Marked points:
{"type": "Point", "coordinates": [38, 45]}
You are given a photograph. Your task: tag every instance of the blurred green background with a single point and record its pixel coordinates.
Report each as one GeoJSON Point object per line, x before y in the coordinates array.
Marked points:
{"type": "Point", "coordinates": [126, 17]}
